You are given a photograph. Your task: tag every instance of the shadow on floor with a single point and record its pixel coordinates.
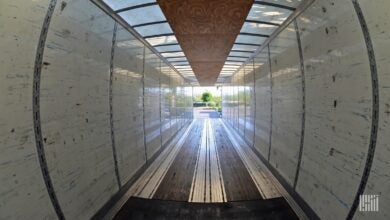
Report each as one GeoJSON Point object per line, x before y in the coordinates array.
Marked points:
{"type": "Point", "coordinates": [139, 208]}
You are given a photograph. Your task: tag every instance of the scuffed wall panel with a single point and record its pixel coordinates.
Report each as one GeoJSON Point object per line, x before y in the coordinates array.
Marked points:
{"type": "Point", "coordinates": [174, 108]}
{"type": "Point", "coordinates": [20, 173]}
{"type": "Point", "coordinates": [185, 104]}
{"type": "Point", "coordinates": [127, 104]}
{"type": "Point", "coordinates": [376, 14]}
{"type": "Point", "coordinates": [179, 102]}
{"type": "Point", "coordinates": [188, 103]}
{"type": "Point", "coordinates": [228, 106]}
{"type": "Point", "coordinates": [232, 102]}
{"type": "Point", "coordinates": [231, 105]}
{"type": "Point", "coordinates": [249, 102]}
{"type": "Point", "coordinates": [191, 103]}
{"type": "Point", "coordinates": [152, 102]}
{"type": "Point", "coordinates": [338, 107]}
{"type": "Point", "coordinates": [241, 101]}
{"type": "Point", "coordinates": [166, 130]}
{"type": "Point", "coordinates": [225, 103]}
{"type": "Point", "coordinates": [188, 100]}
{"type": "Point", "coordinates": [75, 108]}
{"type": "Point", "coordinates": [287, 103]}
{"type": "Point", "coordinates": [263, 102]}
{"type": "Point", "coordinates": [236, 103]}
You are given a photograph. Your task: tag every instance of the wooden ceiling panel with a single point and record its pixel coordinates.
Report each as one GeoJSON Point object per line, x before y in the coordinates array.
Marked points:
{"type": "Point", "coordinates": [206, 31]}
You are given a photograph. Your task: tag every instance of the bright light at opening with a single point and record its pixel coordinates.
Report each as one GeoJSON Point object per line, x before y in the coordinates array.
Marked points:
{"type": "Point", "coordinates": [215, 91]}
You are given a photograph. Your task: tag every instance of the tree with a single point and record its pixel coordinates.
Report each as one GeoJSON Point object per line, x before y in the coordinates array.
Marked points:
{"type": "Point", "coordinates": [206, 97]}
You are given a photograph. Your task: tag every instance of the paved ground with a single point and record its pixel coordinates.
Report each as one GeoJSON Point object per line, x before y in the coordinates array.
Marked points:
{"type": "Point", "coordinates": [203, 112]}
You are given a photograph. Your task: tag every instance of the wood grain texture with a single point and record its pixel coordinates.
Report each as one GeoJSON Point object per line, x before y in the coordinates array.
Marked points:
{"type": "Point", "coordinates": [206, 31]}
{"type": "Point", "coordinates": [176, 184]}
{"type": "Point", "coordinates": [238, 183]}
{"type": "Point", "coordinates": [139, 208]}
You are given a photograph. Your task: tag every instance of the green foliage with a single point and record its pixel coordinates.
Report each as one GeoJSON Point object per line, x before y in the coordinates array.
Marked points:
{"type": "Point", "coordinates": [212, 104]}
{"type": "Point", "coordinates": [206, 97]}
{"type": "Point", "coordinates": [199, 104]}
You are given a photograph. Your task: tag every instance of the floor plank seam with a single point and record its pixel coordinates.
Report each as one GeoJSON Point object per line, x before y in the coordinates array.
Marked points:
{"type": "Point", "coordinates": [207, 182]}
{"type": "Point", "coordinates": [297, 209]}
{"type": "Point", "coordinates": [219, 193]}
{"type": "Point", "coordinates": [199, 181]}
{"type": "Point", "coordinates": [151, 172]}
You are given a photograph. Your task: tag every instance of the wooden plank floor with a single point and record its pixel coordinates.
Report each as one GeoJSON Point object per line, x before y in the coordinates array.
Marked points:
{"type": "Point", "coordinates": [176, 184]}
{"type": "Point", "coordinates": [238, 183]}
{"type": "Point", "coordinates": [138, 208]}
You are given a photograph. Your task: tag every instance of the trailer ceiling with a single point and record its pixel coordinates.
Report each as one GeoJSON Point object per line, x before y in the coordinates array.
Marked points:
{"type": "Point", "coordinates": [205, 41]}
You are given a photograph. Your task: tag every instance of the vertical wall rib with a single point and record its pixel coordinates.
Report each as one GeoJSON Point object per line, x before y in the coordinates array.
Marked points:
{"type": "Point", "coordinates": [244, 79]}
{"type": "Point", "coordinates": [160, 109]}
{"type": "Point", "coordinates": [375, 109]}
{"type": "Point", "coordinates": [302, 66]}
{"type": "Point", "coordinates": [271, 106]}
{"type": "Point", "coordinates": [111, 105]}
{"type": "Point", "coordinates": [254, 104]}
{"type": "Point", "coordinates": [36, 111]}
{"type": "Point", "coordinates": [143, 103]}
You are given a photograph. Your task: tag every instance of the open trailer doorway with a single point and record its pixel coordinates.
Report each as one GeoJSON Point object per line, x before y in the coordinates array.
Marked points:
{"type": "Point", "coordinates": [207, 102]}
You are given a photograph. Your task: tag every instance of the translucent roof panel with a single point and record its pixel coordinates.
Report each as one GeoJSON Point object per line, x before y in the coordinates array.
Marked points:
{"type": "Point", "coordinates": [233, 62]}
{"type": "Point", "coordinates": [227, 63]}
{"type": "Point", "coordinates": [143, 15]}
{"type": "Point", "coordinates": [289, 3]}
{"type": "Point", "coordinates": [162, 40]}
{"type": "Point", "coordinates": [120, 4]}
{"type": "Point", "coordinates": [184, 67]}
{"type": "Point", "coordinates": [250, 39]}
{"type": "Point", "coordinates": [147, 19]}
{"type": "Point", "coordinates": [226, 74]}
{"type": "Point", "coordinates": [268, 14]}
{"type": "Point", "coordinates": [227, 67]}
{"type": "Point", "coordinates": [228, 70]}
{"type": "Point", "coordinates": [237, 58]}
{"type": "Point", "coordinates": [244, 47]}
{"type": "Point", "coordinates": [168, 48]}
{"type": "Point", "coordinates": [154, 29]}
{"type": "Point", "coordinates": [172, 59]}
{"type": "Point", "coordinates": [175, 54]}
{"type": "Point", "coordinates": [187, 73]}
{"type": "Point", "coordinates": [230, 66]}
{"type": "Point", "coordinates": [264, 18]}
{"type": "Point", "coordinates": [180, 63]}
{"type": "Point", "coordinates": [243, 54]}
{"type": "Point", "coordinates": [255, 28]}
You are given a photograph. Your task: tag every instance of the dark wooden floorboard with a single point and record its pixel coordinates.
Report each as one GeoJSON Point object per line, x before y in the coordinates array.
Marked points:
{"type": "Point", "coordinates": [176, 184]}
{"type": "Point", "coordinates": [138, 208]}
{"type": "Point", "coordinates": [238, 183]}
